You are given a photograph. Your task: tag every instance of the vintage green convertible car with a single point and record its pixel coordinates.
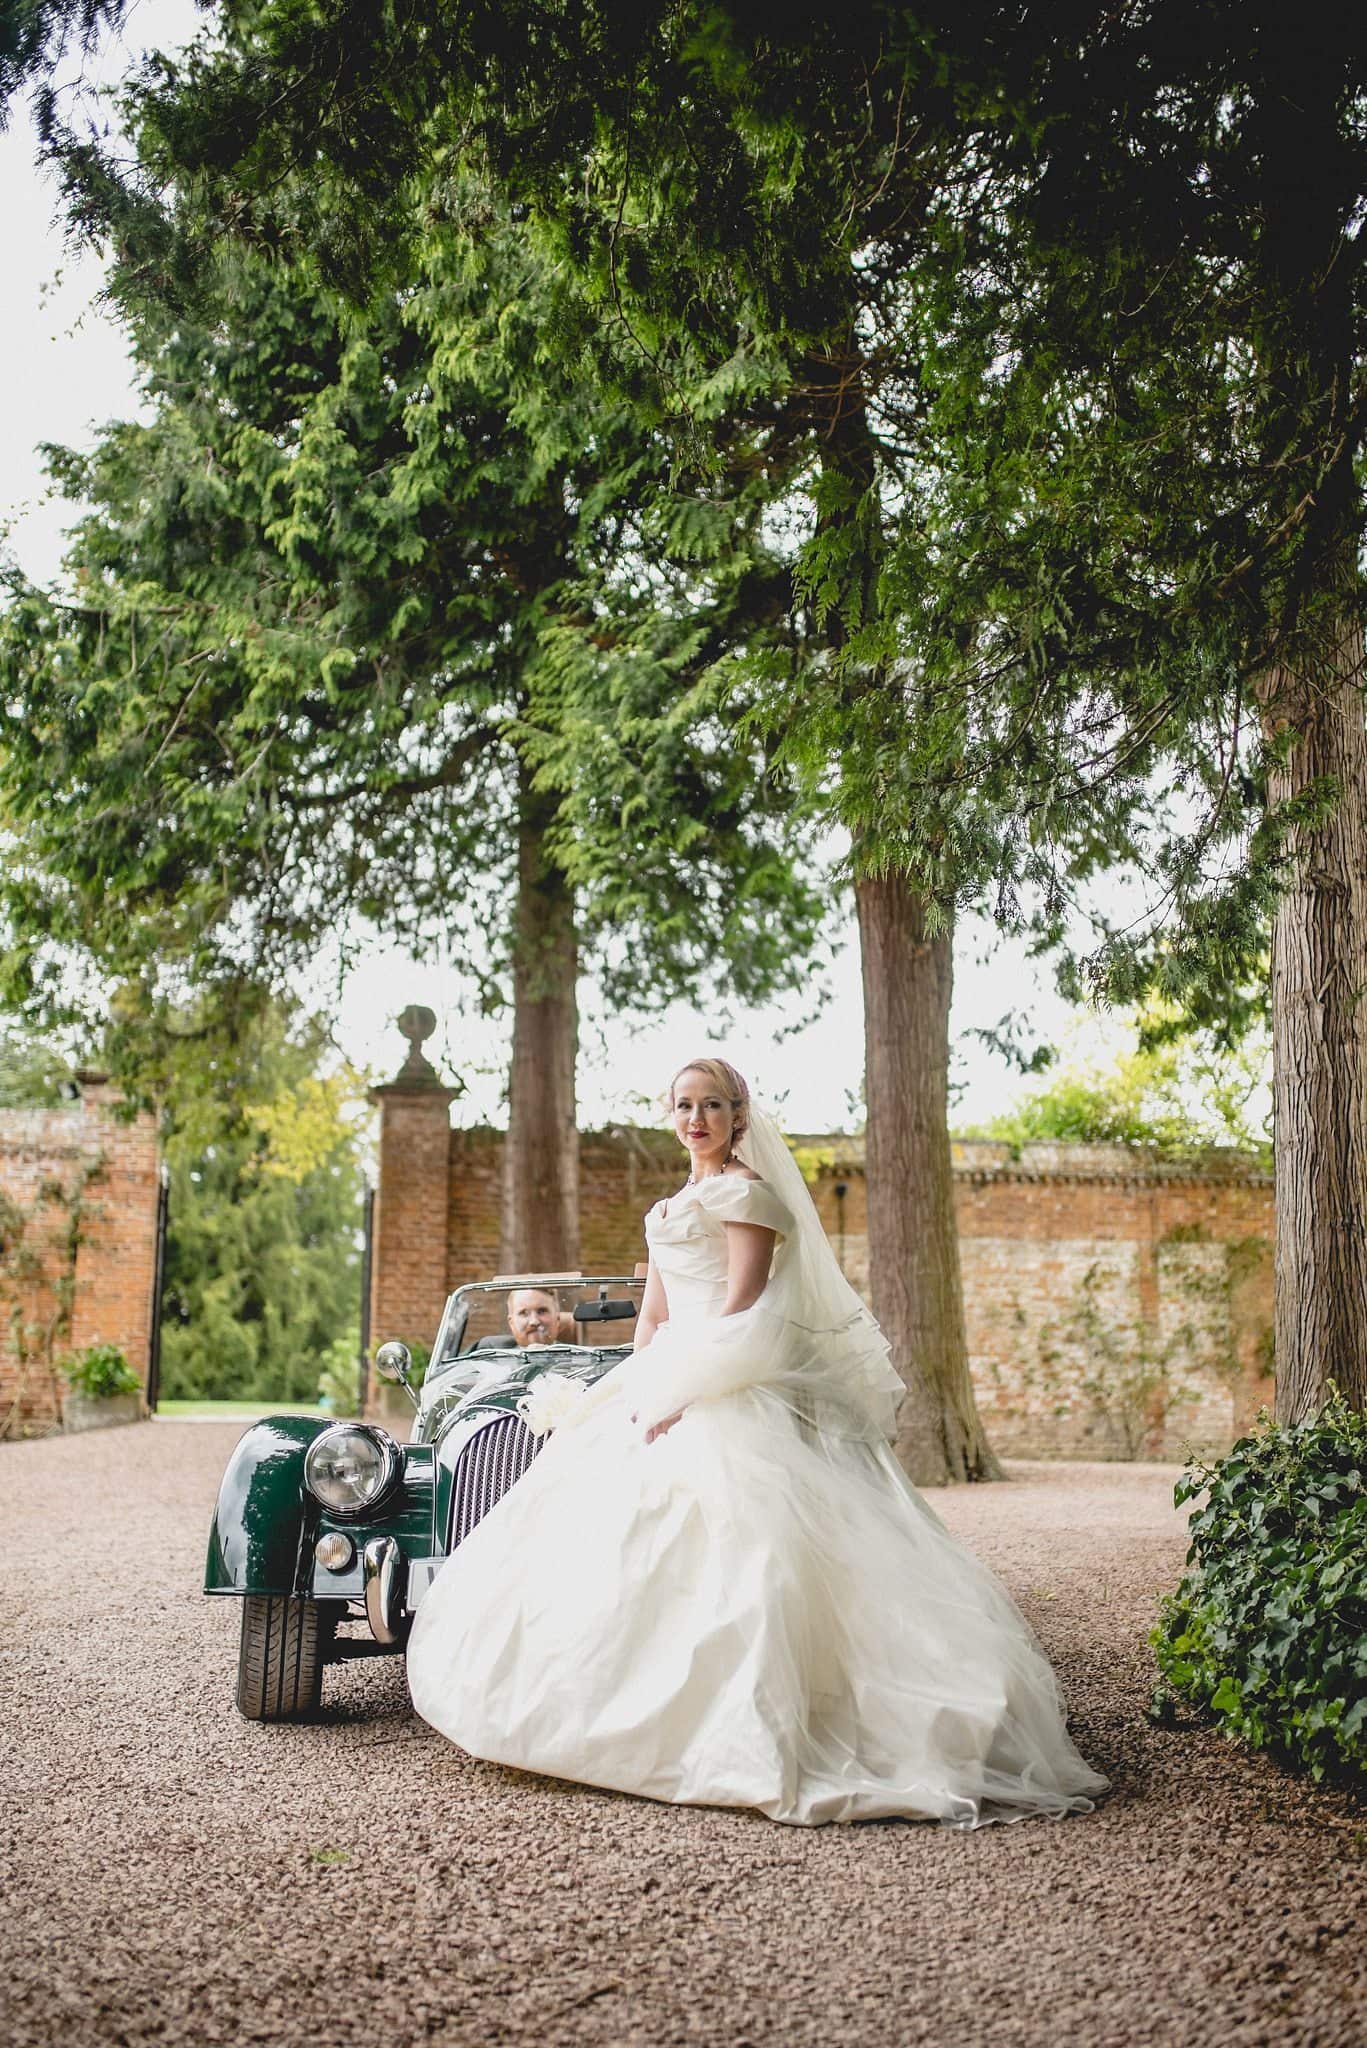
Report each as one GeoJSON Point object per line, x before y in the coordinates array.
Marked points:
{"type": "Point", "coordinates": [318, 1523]}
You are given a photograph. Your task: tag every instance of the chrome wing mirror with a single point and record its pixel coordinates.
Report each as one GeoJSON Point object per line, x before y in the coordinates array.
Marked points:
{"type": "Point", "coordinates": [392, 1362]}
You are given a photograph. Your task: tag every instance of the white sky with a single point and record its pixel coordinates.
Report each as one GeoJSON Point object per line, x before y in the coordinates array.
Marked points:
{"type": "Point", "coordinates": [65, 372]}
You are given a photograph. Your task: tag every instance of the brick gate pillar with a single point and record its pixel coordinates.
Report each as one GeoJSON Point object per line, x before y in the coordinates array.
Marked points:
{"type": "Point", "coordinates": [115, 1278]}
{"type": "Point", "coordinates": [408, 1256]}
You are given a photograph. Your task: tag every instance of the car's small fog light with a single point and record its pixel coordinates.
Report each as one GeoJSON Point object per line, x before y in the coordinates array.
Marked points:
{"type": "Point", "coordinates": [335, 1551]}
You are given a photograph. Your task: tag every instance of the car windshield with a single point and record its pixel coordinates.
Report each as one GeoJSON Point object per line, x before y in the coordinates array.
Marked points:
{"type": "Point", "coordinates": [598, 1311]}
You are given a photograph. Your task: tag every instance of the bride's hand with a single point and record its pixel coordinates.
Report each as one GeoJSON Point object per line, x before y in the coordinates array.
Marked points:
{"type": "Point", "coordinates": [659, 1428]}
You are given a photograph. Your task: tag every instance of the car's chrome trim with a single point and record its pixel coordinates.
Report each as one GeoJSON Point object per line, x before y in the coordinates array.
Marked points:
{"type": "Point", "coordinates": [384, 1591]}
{"type": "Point", "coordinates": [456, 1432]}
{"type": "Point", "coordinates": [490, 1462]}
{"type": "Point", "coordinates": [394, 1363]}
{"type": "Point", "coordinates": [450, 1330]}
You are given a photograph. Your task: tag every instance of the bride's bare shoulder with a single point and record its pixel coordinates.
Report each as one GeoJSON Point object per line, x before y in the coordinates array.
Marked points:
{"type": "Point", "coordinates": [737, 1170]}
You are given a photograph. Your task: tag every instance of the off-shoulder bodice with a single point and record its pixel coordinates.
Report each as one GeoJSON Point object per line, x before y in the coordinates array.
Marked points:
{"type": "Point", "coordinates": [687, 1238]}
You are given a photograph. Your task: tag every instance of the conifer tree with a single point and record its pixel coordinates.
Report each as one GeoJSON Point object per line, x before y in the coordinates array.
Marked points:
{"type": "Point", "coordinates": [299, 689]}
{"type": "Point", "coordinates": [1109, 334]}
{"type": "Point", "coordinates": [36, 34]}
{"type": "Point", "coordinates": [718, 265]}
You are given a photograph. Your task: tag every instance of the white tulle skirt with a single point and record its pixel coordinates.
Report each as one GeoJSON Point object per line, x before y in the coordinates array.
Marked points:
{"type": "Point", "coordinates": [747, 1612]}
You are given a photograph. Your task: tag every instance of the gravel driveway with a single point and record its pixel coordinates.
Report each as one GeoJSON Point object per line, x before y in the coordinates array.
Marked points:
{"type": "Point", "coordinates": [173, 1874]}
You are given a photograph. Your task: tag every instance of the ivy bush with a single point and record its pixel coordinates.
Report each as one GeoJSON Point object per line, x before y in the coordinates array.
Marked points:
{"type": "Point", "coordinates": [100, 1372]}
{"type": "Point", "coordinates": [1267, 1631]}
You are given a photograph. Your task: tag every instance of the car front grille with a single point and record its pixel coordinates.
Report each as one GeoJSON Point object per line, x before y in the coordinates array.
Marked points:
{"type": "Point", "coordinates": [494, 1459]}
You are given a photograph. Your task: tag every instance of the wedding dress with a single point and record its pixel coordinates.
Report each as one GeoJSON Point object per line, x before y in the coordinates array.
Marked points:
{"type": "Point", "coordinates": [756, 1609]}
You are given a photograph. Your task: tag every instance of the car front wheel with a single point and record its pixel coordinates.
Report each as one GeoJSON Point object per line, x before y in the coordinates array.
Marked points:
{"type": "Point", "coordinates": [281, 1656]}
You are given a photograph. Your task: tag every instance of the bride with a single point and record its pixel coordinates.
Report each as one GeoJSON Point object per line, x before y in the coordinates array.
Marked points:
{"type": "Point", "coordinates": [716, 1585]}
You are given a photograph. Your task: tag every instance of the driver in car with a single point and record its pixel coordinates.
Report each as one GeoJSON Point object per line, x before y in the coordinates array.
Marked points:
{"type": "Point", "coordinates": [533, 1316]}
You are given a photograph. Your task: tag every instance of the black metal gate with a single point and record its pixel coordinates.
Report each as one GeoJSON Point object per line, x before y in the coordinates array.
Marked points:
{"type": "Point", "coordinates": [158, 1283]}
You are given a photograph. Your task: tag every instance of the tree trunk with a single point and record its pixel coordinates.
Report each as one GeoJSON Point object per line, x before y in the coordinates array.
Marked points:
{"type": "Point", "coordinates": [1311, 694]}
{"type": "Point", "coordinates": [540, 1223]}
{"type": "Point", "coordinates": [914, 1271]}
{"type": "Point", "coordinates": [915, 1282]}
{"type": "Point", "coordinates": [1319, 1039]}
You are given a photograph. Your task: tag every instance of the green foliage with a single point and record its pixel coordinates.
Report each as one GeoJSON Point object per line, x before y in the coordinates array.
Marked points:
{"type": "Point", "coordinates": [33, 1073]}
{"type": "Point", "coordinates": [1042, 336]}
{"type": "Point", "coordinates": [351, 588]}
{"type": "Point", "coordinates": [338, 1376]}
{"type": "Point", "coordinates": [263, 1243]}
{"type": "Point", "coordinates": [299, 1128]}
{"type": "Point", "coordinates": [1084, 1105]}
{"type": "Point", "coordinates": [1031, 344]}
{"type": "Point", "coordinates": [1267, 1631]}
{"type": "Point", "coordinates": [100, 1372]}
{"type": "Point", "coordinates": [814, 1160]}
{"type": "Point", "coordinates": [1173, 1096]}
{"type": "Point", "coordinates": [36, 34]}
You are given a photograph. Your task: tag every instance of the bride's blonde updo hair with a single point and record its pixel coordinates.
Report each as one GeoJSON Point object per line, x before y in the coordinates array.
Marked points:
{"type": "Point", "coordinates": [727, 1081]}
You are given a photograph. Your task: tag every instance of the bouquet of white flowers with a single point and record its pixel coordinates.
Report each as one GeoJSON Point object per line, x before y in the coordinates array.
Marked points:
{"type": "Point", "coordinates": [552, 1401]}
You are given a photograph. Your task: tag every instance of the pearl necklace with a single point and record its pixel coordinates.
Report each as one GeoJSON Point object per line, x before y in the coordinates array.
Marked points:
{"type": "Point", "coordinates": [695, 1178]}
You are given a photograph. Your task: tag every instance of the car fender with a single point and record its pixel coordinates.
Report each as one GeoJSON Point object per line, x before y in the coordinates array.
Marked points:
{"type": "Point", "coordinates": [257, 1533]}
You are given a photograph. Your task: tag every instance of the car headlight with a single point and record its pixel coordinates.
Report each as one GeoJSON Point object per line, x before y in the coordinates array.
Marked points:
{"type": "Point", "coordinates": [351, 1466]}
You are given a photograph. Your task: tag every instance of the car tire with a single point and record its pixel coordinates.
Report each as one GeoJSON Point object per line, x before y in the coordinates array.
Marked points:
{"type": "Point", "coordinates": [280, 1659]}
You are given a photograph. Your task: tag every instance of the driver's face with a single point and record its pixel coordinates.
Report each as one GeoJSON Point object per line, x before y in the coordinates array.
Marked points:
{"type": "Point", "coordinates": [533, 1317]}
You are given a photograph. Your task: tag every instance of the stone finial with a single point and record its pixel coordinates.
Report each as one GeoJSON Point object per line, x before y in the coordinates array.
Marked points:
{"type": "Point", "coordinates": [417, 1023]}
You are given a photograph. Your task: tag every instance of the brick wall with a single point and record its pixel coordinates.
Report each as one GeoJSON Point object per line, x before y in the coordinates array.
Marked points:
{"type": "Point", "coordinates": [1116, 1307]}
{"type": "Point", "coordinates": [72, 1173]}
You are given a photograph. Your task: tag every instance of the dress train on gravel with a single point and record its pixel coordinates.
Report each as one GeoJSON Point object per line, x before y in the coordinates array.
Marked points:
{"type": "Point", "coordinates": [757, 1609]}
